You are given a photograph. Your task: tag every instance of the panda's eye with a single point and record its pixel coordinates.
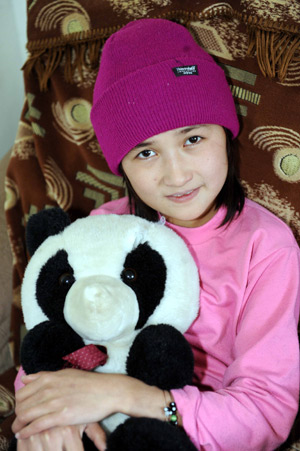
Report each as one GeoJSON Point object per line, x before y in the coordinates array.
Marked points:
{"type": "Point", "coordinates": [66, 279]}
{"type": "Point", "coordinates": [129, 274]}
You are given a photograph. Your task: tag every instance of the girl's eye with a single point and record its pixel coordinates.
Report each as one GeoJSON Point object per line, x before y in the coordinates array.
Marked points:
{"type": "Point", "coordinates": [192, 140]}
{"type": "Point", "coordinates": [146, 154]}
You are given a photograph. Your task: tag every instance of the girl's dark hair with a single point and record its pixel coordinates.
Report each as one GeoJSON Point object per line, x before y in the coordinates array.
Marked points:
{"type": "Point", "coordinates": [231, 196]}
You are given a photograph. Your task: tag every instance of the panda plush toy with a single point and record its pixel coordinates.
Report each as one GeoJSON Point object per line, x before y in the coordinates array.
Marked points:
{"type": "Point", "coordinates": [120, 286]}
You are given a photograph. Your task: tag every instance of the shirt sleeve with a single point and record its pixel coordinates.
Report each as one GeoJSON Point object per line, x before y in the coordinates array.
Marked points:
{"type": "Point", "coordinates": [258, 401]}
{"type": "Point", "coordinates": [118, 206]}
{"type": "Point", "coordinates": [18, 381]}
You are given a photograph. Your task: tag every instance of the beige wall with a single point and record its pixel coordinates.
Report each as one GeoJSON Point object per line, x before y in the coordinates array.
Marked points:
{"type": "Point", "coordinates": [12, 57]}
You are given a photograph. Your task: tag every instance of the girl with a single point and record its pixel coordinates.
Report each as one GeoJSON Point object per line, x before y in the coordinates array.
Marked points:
{"type": "Point", "coordinates": [165, 119]}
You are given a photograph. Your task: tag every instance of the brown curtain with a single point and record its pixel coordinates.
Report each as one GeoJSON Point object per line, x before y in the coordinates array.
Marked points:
{"type": "Point", "coordinates": [56, 159]}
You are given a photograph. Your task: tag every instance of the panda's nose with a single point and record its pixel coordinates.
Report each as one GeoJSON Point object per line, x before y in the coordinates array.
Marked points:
{"type": "Point", "coordinates": [100, 308]}
{"type": "Point", "coordinates": [98, 294]}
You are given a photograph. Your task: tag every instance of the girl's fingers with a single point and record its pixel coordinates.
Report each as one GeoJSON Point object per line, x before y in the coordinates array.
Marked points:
{"type": "Point", "coordinates": [97, 435]}
{"type": "Point", "coordinates": [34, 405]}
{"type": "Point", "coordinates": [17, 425]}
{"type": "Point", "coordinates": [30, 444]}
{"type": "Point", "coordinates": [32, 383]}
{"type": "Point", "coordinates": [58, 439]}
{"type": "Point", "coordinates": [31, 377]}
{"type": "Point", "coordinates": [35, 411]}
{"type": "Point", "coordinates": [71, 439]}
{"type": "Point", "coordinates": [41, 424]}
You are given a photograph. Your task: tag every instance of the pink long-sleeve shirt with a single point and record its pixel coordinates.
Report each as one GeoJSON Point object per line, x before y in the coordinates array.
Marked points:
{"type": "Point", "coordinates": [246, 385]}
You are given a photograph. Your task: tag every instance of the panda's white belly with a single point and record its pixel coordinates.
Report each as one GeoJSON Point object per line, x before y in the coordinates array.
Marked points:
{"type": "Point", "coordinates": [116, 363]}
{"type": "Point", "coordinates": [117, 355]}
{"type": "Point", "coordinates": [112, 422]}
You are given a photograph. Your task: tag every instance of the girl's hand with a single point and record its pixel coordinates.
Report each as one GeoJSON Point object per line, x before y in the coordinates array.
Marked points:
{"type": "Point", "coordinates": [63, 398]}
{"type": "Point", "coordinates": [70, 397]}
{"type": "Point", "coordinates": [65, 438]}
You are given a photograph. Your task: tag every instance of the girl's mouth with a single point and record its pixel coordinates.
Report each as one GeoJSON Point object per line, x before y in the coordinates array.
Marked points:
{"type": "Point", "coordinates": [184, 197]}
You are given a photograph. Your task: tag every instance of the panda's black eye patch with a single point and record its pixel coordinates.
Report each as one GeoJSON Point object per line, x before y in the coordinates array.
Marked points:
{"type": "Point", "coordinates": [55, 279]}
{"type": "Point", "coordinates": [129, 274]}
{"type": "Point", "coordinates": [145, 272]}
{"type": "Point", "coordinates": [66, 279]}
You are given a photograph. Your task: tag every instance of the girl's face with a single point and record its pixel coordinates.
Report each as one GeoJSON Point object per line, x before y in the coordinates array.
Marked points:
{"type": "Point", "coordinates": [179, 173]}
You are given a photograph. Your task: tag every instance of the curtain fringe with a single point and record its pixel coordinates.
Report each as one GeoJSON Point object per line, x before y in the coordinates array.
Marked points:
{"type": "Point", "coordinates": [274, 51]}
{"type": "Point", "coordinates": [45, 57]}
{"type": "Point", "coordinates": [274, 44]}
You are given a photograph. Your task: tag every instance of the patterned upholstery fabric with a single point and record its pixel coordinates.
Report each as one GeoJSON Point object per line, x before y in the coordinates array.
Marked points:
{"type": "Point", "coordinates": [56, 159]}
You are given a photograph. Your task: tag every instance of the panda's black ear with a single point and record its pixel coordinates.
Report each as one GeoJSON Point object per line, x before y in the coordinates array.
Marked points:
{"type": "Point", "coordinates": [43, 224]}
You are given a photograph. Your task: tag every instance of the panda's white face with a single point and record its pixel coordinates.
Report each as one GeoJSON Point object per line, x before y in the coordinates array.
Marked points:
{"type": "Point", "coordinates": [109, 276]}
{"type": "Point", "coordinates": [102, 309]}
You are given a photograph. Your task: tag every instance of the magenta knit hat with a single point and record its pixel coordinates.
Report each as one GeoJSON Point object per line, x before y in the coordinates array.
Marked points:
{"type": "Point", "coordinates": [154, 77]}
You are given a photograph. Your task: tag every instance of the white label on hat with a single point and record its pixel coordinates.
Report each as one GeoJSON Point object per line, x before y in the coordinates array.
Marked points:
{"type": "Point", "coordinates": [185, 70]}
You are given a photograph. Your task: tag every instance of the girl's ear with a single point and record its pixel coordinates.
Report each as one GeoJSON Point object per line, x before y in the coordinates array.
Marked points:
{"type": "Point", "coordinates": [44, 224]}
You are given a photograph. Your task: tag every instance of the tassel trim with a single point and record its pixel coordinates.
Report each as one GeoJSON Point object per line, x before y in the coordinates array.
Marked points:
{"type": "Point", "coordinates": [77, 49]}
{"type": "Point", "coordinates": [275, 45]}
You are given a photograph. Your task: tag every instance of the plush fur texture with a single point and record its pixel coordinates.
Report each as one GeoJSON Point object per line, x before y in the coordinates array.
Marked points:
{"type": "Point", "coordinates": [42, 226]}
{"type": "Point", "coordinates": [149, 434]}
{"type": "Point", "coordinates": [120, 282]}
{"type": "Point", "coordinates": [160, 366]}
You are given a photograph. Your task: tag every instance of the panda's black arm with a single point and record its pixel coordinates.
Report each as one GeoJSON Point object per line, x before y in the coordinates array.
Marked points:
{"type": "Point", "coordinates": [161, 356]}
{"type": "Point", "coordinates": [44, 346]}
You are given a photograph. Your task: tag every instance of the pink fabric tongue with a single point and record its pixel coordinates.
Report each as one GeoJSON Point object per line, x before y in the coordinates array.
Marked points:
{"type": "Point", "coordinates": [86, 358]}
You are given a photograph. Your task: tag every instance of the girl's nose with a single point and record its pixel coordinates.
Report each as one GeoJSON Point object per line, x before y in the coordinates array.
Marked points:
{"type": "Point", "coordinates": [176, 172]}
